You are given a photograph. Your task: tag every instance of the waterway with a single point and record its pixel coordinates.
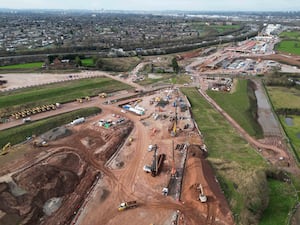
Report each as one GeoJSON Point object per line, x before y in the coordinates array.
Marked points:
{"type": "Point", "coordinates": [289, 121]}
{"type": "Point", "coordinates": [266, 117]}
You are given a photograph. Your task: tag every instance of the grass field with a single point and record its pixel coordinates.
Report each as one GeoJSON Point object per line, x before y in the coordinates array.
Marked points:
{"type": "Point", "coordinates": [200, 26]}
{"type": "Point", "coordinates": [62, 92]}
{"type": "Point", "coordinates": [167, 79]}
{"type": "Point", "coordinates": [238, 106]}
{"type": "Point", "coordinates": [293, 131]}
{"type": "Point", "coordinates": [290, 34]}
{"type": "Point", "coordinates": [289, 46]}
{"type": "Point", "coordinates": [36, 65]}
{"type": "Point", "coordinates": [121, 64]}
{"type": "Point", "coordinates": [237, 165]}
{"type": "Point", "coordinates": [18, 134]}
{"type": "Point", "coordinates": [88, 62]}
{"type": "Point", "coordinates": [181, 79]}
{"type": "Point", "coordinates": [283, 97]}
{"type": "Point", "coordinates": [281, 202]}
{"type": "Point", "coordinates": [223, 28]}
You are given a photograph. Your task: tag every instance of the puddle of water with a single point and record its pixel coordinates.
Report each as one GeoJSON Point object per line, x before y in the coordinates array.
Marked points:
{"type": "Point", "coordinates": [298, 135]}
{"type": "Point", "coordinates": [289, 121]}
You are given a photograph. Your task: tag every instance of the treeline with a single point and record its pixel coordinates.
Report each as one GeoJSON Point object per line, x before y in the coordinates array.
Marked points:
{"type": "Point", "coordinates": [278, 79]}
{"type": "Point", "coordinates": [288, 111]}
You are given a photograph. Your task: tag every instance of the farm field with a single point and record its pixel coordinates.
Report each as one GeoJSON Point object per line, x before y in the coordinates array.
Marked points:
{"type": "Point", "coordinates": [238, 105]}
{"type": "Point", "coordinates": [18, 134]}
{"type": "Point", "coordinates": [60, 92]}
{"type": "Point", "coordinates": [232, 158]}
{"type": "Point", "coordinates": [35, 65]}
{"type": "Point", "coordinates": [283, 97]}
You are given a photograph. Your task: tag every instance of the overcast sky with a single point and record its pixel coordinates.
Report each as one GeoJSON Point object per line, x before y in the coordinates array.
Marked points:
{"type": "Point", "coordinates": [195, 5]}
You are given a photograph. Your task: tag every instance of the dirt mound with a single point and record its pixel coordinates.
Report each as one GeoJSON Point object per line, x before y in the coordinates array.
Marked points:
{"type": "Point", "coordinates": [199, 171]}
{"type": "Point", "coordinates": [115, 140]}
{"type": "Point", "coordinates": [56, 133]}
{"type": "Point", "coordinates": [37, 185]}
{"type": "Point", "coordinates": [68, 161]}
{"type": "Point", "coordinates": [197, 152]}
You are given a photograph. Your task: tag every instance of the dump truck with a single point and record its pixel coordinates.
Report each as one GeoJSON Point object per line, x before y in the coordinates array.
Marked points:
{"type": "Point", "coordinates": [127, 205]}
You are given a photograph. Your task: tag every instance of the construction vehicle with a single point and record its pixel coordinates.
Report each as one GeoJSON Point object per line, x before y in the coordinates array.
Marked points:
{"type": "Point", "coordinates": [127, 205]}
{"type": "Point", "coordinates": [5, 149]}
{"type": "Point", "coordinates": [103, 95]}
{"type": "Point", "coordinates": [40, 143]}
{"type": "Point", "coordinates": [26, 120]}
{"type": "Point", "coordinates": [202, 196]}
{"type": "Point", "coordinates": [157, 163]}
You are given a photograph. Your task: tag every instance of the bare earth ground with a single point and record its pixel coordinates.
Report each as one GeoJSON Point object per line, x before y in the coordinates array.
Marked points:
{"type": "Point", "coordinates": [69, 168]}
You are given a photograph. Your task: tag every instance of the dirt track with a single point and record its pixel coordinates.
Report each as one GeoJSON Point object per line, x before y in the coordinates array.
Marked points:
{"type": "Point", "coordinates": [265, 148]}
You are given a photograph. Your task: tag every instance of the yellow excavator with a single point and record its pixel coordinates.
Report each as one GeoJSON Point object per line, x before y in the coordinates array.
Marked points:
{"type": "Point", "coordinates": [5, 149]}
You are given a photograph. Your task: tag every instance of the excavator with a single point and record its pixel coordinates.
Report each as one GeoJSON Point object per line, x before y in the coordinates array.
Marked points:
{"type": "Point", "coordinates": [202, 196]}
{"type": "Point", "coordinates": [5, 149]}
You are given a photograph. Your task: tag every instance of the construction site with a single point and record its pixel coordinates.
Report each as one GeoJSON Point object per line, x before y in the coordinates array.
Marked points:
{"type": "Point", "coordinates": [140, 161]}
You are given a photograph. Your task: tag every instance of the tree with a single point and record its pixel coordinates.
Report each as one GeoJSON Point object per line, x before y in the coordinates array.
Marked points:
{"type": "Point", "coordinates": [175, 65]}
{"type": "Point", "coordinates": [78, 61]}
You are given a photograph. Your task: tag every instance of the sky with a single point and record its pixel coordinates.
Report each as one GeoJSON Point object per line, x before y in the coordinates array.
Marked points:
{"type": "Point", "coordinates": [191, 5]}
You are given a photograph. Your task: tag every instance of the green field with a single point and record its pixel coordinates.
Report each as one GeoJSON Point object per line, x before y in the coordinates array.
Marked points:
{"type": "Point", "coordinates": [240, 170]}
{"type": "Point", "coordinates": [120, 64]}
{"type": "Point", "coordinates": [282, 200]}
{"type": "Point", "coordinates": [223, 28]}
{"type": "Point", "coordinates": [289, 46]}
{"type": "Point", "coordinates": [87, 62]}
{"type": "Point", "coordinates": [240, 107]}
{"type": "Point", "coordinates": [18, 134]}
{"type": "Point", "coordinates": [238, 167]}
{"type": "Point", "coordinates": [166, 79]}
{"type": "Point", "coordinates": [36, 65]}
{"type": "Point", "coordinates": [201, 26]}
{"type": "Point", "coordinates": [62, 92]}
{"type": "Point", "coordinates": [181, 79]}
{"type": "Point", "coordinates": [290, 35]}
{"type": "Point", "coordinates": [283, 97]}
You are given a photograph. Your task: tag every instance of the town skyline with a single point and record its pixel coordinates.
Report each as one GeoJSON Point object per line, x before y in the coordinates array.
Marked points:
{"type": "Point", "coordinates": [155, 5]}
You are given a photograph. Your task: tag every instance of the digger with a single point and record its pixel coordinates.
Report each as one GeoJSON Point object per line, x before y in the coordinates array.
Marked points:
{"type": "Point", "coordinates": [5, 149]}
